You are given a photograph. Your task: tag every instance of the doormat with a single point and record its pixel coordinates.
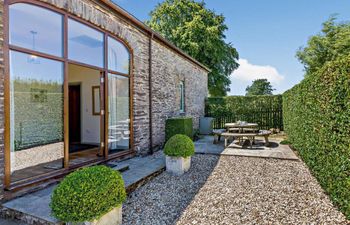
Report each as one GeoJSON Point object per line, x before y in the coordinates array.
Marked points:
{"type": "Point", "coordinates": [80, 147]}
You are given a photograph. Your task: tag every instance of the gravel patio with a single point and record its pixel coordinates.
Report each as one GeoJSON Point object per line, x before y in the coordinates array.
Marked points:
{"type": "Point", "coordinates": [233, 190]}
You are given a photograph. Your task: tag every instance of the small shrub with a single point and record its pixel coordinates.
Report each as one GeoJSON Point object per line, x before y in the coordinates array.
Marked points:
{"type": "Point", "coordinates": [179, 125]}
{"type": "Point", "coordinates": [88, 194]}
{"type": "Point", "coordinates": [179, 145]}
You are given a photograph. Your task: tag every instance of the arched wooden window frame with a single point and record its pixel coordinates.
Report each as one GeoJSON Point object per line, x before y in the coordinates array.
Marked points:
{"type": "Point", "coordinates": [66, 61]}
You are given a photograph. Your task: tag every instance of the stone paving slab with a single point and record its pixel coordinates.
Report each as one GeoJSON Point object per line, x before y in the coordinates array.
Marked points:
{"type": "Point", "coordinates": [37, 204]}
{"type": "Point", "coordinates": [205, 146]}
{"type": "Point", "coordinates": [276, 150]}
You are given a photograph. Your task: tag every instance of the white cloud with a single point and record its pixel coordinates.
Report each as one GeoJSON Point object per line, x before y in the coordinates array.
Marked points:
{"type": "Point", "coordinates": [250, 72]}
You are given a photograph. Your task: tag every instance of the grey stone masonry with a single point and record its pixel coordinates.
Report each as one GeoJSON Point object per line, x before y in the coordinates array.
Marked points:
{"type": "Point", "coordinates": [2, 116]}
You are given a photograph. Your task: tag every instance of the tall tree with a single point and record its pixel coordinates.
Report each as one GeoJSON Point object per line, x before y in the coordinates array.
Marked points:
{"type": "Point", "coordinates": [200, 33]}
{"type": "Point", "coordinates": [333, 41]}
{"type": "Point", "coordinates": [259, 87]}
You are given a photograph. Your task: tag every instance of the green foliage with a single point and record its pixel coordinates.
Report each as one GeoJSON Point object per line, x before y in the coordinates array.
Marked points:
{"type": "Point", "coordinates": [285, 142]}
{"type": "Point", "coordinates": [200, 33]}
{"type": "Point", "coordinates": [265, 110]}
{"type": "Point", "coordinates": [179, 125]}
{"type": "Point", "coordinates": [88, 194]}
{"type": "Point", "coordinates": [316, 118]}
{"type": "Point", "coordinates": [179, 145]}
{"type": "Point", "coordinates": [259, 87]}
{"type": "Point", "coordinates": [38, 112]}
{"type": "Point", "coordinates": [333, 41]}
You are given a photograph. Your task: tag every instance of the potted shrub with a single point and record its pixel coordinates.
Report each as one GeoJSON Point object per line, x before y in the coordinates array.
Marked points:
{"type": "Point", "coordinates": [90, 196]}
{"type": "Point", "coordinates": [178, 151]}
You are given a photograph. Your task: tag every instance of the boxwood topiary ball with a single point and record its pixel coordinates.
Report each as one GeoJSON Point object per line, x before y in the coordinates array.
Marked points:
{"type": "Point", "coordinates": [179, 145]}
{"type": "Point", "coordinates": [87, 194]}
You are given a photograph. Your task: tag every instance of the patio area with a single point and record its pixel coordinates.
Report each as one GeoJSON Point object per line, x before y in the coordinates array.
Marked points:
{"type": "Point", "coordinates": [34, 208]}
{"type": "Point", "coordinates": [263, 185]}
{"type": "Point", "coordinates": [275, 150]}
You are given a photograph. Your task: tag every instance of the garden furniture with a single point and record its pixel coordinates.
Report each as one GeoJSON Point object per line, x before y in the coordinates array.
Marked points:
{"type": "Point", "coordinates": [241, 126]}
{"type": "Point", "coordinates": [249, 136]}
{"type": "Point", "coordinates": [217, 135]}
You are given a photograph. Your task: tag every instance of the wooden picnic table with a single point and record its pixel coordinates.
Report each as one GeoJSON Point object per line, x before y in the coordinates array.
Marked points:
{"type": "Point", "coordinates": [249, 136]}
{"type": "Point", "coordinates": [240, 126]}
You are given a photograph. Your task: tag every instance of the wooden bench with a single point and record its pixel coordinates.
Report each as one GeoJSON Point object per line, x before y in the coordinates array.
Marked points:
{"type": "Point", "coordinates": [265, 134]}
{"type": "Point", "coordinates": [217, 134]}
{"type": "Point", "coordinates": [249, 136]}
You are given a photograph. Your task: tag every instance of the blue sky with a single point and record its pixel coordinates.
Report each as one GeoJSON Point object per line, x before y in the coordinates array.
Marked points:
{"type": "Point", "coordinates": [266, 34]}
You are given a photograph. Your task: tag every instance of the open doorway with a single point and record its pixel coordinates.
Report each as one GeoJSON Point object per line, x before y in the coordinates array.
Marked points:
{"type": "Point", "coordinates": [84, 114]}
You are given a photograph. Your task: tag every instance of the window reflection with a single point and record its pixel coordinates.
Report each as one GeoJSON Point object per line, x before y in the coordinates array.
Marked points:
{"type": "Point", "coordinates": [118, 56]}
{"type": "Point", "coordinates": [36, 28]}
{"type": "Point", "coordinates": [85, 44]}
{"type": "Point", "coordinates": [119, 115]}
{"type": "Point", "coordinates": [36, 108]}
{"type": "Point", "coordinates": [182, 96]}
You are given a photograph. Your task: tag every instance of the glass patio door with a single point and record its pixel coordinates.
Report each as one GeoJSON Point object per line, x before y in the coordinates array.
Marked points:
{"type": "Point", "coordinates": [118, 113]}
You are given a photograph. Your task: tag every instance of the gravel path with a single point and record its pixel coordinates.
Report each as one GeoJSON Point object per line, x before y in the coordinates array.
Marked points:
{"type": "Point", "coordinates": [233, 190]}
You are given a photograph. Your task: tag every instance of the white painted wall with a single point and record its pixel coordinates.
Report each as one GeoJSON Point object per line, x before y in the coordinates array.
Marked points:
{"type": "Point", "coordinates": [90, 124]}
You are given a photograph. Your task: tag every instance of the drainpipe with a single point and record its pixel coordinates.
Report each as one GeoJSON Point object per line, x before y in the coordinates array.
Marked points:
{"type": "Point", "coordinates": [150, 94]}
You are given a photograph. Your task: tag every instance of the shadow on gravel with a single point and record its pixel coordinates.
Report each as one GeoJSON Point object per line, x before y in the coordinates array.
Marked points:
{"type": "Point", "coordinates": [163, 199]}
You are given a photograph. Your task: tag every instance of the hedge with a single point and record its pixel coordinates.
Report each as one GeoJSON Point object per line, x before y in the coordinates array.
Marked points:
{"type": "Point", "coordinates": [179, 145]}
{"type": "Point", "coordinates": [37, 111]}
{"type": "Point", "coordinates": [317, 121]}
{"type": "Point", "coordinates": [88, 194]}
{"type": "Point", "coordinates": [265, 110]}
{"type": "Point", "coordinates": [178, 125]}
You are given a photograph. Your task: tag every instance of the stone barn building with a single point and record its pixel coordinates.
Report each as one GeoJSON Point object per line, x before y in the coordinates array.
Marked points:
{"type": "Point", "coordinates": [83, 82]}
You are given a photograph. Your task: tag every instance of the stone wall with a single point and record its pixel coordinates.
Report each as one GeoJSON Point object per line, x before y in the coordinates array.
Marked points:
{"type": "Point", "coordinates": [2, 72]}
{"type": "Point", "coordinates": [169, 68]}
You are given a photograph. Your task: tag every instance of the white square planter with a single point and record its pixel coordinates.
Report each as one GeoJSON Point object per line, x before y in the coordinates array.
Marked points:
{"type": "Point", "coordinates": [177, 165]}
{"type": "Point", "coordinates": [113, 217]}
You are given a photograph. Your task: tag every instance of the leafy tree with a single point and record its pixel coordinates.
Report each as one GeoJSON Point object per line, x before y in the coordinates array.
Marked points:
{"type": "Point", "coordinates": [259, 87]}
{"type": "Point", "coordinates": [200, 33]}
{"type": "Point", "coordinates": [332, 42]}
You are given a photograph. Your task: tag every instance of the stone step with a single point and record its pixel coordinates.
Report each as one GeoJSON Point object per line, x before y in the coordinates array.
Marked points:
{"type": "Point", "coordinates": [120, 166]}
{"type": "Point", "coordinates": [34, 208]}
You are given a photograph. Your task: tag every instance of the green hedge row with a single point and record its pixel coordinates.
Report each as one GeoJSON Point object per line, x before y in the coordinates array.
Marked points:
{"type": "Point", "coordinates": [178, 125]}
{"type": "Point", "coordinates": [317, 120]}
{"type": "Point", "coordinates": [265, 110]}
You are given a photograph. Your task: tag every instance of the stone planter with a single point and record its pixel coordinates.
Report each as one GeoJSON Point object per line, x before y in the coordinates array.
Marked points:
{"type": "Point", "coordinates": [177, 165]}
{"type": "Point", "coordinates": [113, 217]}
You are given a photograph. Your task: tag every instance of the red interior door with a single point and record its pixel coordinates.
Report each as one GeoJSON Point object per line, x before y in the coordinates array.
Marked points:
{"type": "Point", "coordinates": [74, 114]}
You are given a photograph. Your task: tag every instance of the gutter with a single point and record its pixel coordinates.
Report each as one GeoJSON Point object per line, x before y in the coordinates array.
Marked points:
{"type": "Point", "coordinates": [150, 94]}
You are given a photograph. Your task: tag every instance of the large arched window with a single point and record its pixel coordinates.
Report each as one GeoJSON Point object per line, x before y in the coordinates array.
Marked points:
{"type": "Point", "coordinates": [36, 88]}
{"type": "Point", "coordinates": [118, 56]}
{"type": "Point", "coordinates": [39, 65]}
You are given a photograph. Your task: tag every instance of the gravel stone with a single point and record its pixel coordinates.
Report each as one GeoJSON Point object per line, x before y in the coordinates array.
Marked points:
{"type": "Point", "coordinates": [233, 190]}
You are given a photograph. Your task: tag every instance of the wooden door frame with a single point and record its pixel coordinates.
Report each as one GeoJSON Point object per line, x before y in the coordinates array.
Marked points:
{"type": "Point", "coordinates": [65, 60]}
